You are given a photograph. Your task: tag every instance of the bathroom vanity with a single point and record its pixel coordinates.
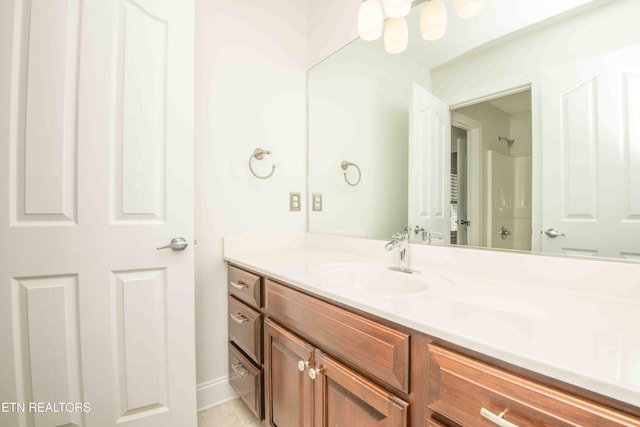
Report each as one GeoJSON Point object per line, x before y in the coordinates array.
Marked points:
{"type": "Point", "coordinates": [324, 338]}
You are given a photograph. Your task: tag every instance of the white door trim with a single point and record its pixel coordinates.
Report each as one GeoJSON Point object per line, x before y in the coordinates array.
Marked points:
{"type": "Point", "coordinates": [475, 171]}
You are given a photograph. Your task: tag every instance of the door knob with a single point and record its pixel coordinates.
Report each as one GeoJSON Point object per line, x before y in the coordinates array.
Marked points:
{"type": "Point", "coordinates": [177, 244]}
{"type": "Point", "coordinates": [553, 233]}
{"type": "Point", "coordinates": [504, 232]}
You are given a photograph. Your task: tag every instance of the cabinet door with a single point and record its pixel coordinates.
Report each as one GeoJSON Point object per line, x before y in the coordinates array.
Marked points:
{"type": "Point", "coordinates": [344, 398]}
{"type": "Point", "coordinates": [289, 392]}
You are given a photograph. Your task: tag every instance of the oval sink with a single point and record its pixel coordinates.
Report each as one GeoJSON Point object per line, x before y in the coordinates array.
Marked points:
{"type": "Point", "coordinates": [370, 277]}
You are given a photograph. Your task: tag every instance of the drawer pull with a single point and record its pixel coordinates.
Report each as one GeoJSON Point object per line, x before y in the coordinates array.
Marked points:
{"type": "Point", "coordinates": [237, 369]}
{"type": "Point", "coordinates": [497, 419]}
{"type": "Point", "coordinates": [239, 285]}
{"type": "Point", "coordinates": [302, 365]}
{"type": "Point", "coordinates": [314, 373]}
{"type": "Point", "coordinates": [239, 318]}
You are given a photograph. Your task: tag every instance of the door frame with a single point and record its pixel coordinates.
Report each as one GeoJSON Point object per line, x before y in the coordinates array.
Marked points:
{"type": "Point", "coordinates": [498, 90]}
{"type": "Point", "coordinates": [475, 172]}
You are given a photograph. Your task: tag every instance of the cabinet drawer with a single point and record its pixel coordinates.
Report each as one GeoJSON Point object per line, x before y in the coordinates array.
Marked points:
{"type": "Point", "coordinates": [367, 345]}
{"type": "Point", "coordinates": [246, 380]}
{"type": "Point", "coordinates": [461, 387]}
{"type": "Point", "coordinates": [245, 286]}
{"type": "Point", "coordinates": [245, 328]}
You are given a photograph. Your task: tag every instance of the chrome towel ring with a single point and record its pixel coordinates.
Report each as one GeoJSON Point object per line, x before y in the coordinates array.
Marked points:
{"type": "Point", "coordinates": [259, 154]}
{"type": "Point", "coordinates": [345, 165]}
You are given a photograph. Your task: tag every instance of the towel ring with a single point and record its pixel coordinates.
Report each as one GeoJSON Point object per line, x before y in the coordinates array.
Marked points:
{"type": "Point", "coordinates": [259, 154]}
{"type": "Point", "coordinates": [345, 165]}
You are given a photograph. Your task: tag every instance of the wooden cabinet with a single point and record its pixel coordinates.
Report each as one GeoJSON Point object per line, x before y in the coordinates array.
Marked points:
{"type": "Point", "coordinates": [246, 379]}
{"type": "Point", "coordinates": [288, 388]}
{"type": "Point", "coordinates": [306, 387]}
{"type": "Point", "coordinates": [344, 398]}
{"type": "Point", "coordinates": [245, 328]}
{"type": "Point", "coordinates": [469, 392]}
{"type": "Point", "coordinates": [245, 337]}
{"type": "Point", "coordinates": [376, 349]}
{"type": "Point", "coordinates": [245, 286]}
{"type": "Point", "coordinates": [371, 372]}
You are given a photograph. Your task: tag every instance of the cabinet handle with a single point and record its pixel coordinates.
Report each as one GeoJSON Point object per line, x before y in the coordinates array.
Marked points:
{"type": "Point", "coordinates": [497, 419]}
{"type": "Point", "coordinates": [239, 285]}
{"type": "Point", "coordinates": [302, 365]}
{"type": "Point", "coordinates": [239, 318]}
{"type": "Point", "coordinates": [240, 372]}
{"type": "Point", "coordinates": [314, 373]}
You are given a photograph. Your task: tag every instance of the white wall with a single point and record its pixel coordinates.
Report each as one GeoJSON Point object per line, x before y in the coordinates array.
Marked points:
{"type": "Point", "coordinates": [251, 62]}
{"type": "Point", "coordinates": [519, 59]}
{"type": "Point", "coordinates": [359, 111]}
{"type": "Point", "coordinates": [332, 24]}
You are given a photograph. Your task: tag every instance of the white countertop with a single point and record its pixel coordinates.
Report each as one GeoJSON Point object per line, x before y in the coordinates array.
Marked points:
{"type": "Point", "coordinates": [588, 339]}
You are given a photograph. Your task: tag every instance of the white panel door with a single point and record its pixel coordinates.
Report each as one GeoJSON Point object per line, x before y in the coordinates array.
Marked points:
{"type": "Point", "coordinates": [591, 146]}
{"type": "Point", "coordinates": [429, 164]}
{"type": "Point", "coordinates": [96, 152]}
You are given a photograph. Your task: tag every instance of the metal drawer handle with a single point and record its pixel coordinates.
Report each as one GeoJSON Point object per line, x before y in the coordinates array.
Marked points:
{"type": "Point", "coordinates": [240, 372]}
{"type": "Point", "coordinates": [239, 318]}
{"type": "Point", "coordinates": [497, 419]}
{"type": "Point", "coordinates": [239, 285]}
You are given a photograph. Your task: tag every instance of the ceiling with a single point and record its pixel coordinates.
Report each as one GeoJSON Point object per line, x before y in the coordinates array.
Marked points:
{"type": "Point", "coordinates": [498, 19]}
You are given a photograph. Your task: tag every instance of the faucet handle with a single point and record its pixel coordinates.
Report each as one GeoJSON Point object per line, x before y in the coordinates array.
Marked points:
{"type": "Point", "coordinates": [400, 236]}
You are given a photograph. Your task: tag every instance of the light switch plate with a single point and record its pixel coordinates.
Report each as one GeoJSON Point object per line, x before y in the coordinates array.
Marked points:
{"type": "Point", "coordinates": [294, 202]}
{"type": "Point", "coordinates": [317, 202]}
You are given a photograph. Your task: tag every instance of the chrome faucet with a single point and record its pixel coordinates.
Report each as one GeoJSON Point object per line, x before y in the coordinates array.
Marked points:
{"type": "Point", "coordinates": [400, 241]}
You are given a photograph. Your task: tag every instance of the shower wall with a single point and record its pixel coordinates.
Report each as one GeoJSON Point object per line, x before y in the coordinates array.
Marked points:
{"type": "Point", "coordinates": [509, 195]}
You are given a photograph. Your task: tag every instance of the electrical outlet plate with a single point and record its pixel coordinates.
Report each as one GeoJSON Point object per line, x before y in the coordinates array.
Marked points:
{"type": "Point", "coordinates": [294, 202]}
{"type": "Point", "coordinates": [317, 202]}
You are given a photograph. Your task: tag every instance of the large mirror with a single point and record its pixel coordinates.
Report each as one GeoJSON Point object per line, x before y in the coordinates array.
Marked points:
{"type": "Point", "coordinates": [518, 130]}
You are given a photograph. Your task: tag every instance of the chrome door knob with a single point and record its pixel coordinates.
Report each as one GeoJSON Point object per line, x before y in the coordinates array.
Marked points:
{"type": "Point", "coordinates": [176, 244]}
{"type": "Point", "coordinates": [553, 233]}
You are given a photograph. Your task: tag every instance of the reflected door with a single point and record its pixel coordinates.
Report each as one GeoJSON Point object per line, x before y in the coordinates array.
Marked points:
{"type": "Point", "coordinates": [97, 154]}
{"type": "Point", "coordinates": [591, 156]}
{"type": "Point", "coordinates": [429, 164]}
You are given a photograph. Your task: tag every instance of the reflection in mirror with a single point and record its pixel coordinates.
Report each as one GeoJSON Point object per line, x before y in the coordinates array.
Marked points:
{"type": "Point", "coordinates": [503, 219]}
{"type": "Point", "coordinates": [537, 147]}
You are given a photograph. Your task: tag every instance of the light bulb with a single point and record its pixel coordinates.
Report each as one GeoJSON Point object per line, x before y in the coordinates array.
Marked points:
{"type": "Point", "coordinates": [468, 8]}
{"type": "Point", "coordinates": [397, 8]}
{"type": "Point", "coordinates": [396, 35]}
{"type": "Point", "coordinates": [433, 20]}
{"type": "Point", "coordinates": [370, 20]}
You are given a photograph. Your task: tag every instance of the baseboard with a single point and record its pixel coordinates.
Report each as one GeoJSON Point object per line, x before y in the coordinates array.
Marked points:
{"type": "Point", "coordinates": [214, 393]}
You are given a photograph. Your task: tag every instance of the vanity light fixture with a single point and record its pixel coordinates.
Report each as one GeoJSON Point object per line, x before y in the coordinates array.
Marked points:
{"type": "Point", "coordinates": [468, 8]}
{"type": "Point", "coordinates": [370, 20]}
{"type": "Point", "coordinates": [396, 35]}
{"type": "Point", "coordinates": [397, 8]}
{"type": "Point", "coordinates": [433, 20]}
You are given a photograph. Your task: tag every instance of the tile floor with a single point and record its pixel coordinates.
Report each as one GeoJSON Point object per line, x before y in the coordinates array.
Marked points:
{"type": "Point", "coordinates": [230, 414]}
